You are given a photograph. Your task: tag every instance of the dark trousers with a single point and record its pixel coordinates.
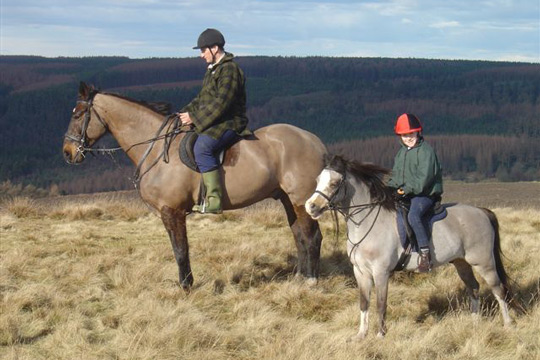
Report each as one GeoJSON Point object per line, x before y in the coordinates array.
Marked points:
{"type": "Point", "coordinates": [207, 149]}
{"type": "Point", "coordinates": [419, 206]}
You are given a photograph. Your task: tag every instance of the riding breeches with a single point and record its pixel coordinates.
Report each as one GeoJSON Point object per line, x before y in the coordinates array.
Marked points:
{"type": "Point", "coordinates": [419, 206]}
{"type": "Point", "coordinates": [206, 149]}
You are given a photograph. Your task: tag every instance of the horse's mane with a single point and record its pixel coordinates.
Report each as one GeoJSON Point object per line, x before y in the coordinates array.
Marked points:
{"type": "Point", "coordinates": [370, 174]}
{"type": "Point", "coordinates": [162, 108]}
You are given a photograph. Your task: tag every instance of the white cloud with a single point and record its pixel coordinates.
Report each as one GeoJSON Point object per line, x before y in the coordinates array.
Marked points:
{"type": "Point", "coordinates": [445, 24]}
{"type": "Point", "coordinates": [489, 30]}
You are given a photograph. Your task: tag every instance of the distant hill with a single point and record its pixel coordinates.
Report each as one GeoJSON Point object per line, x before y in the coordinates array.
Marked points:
{"type": "Point", "coordinates": [342, 100]}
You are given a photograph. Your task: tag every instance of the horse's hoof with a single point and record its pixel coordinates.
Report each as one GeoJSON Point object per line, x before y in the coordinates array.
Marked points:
{"type": "Point", "coordinates": [312, 281]}
{"type": "Point", "coordinates": [186, 285]}
{"type": "Point", "coordinates": [380, 335]}
{"type": "Point", "coordinates": [356, 338]}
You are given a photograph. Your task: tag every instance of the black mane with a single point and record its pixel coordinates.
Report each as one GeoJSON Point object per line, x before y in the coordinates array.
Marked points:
{"type": "Point", "coordinates": [370, 174]}
{"type": "Point", "coordinates": [162, 108]}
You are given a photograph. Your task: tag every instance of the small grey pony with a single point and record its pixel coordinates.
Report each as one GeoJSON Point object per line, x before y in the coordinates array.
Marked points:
{"type": "Point", "coordinates": [468, 237]}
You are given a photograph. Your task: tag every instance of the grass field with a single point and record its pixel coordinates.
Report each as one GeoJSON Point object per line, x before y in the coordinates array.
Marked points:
{"type": "Point", "coordinates": [94, 277]}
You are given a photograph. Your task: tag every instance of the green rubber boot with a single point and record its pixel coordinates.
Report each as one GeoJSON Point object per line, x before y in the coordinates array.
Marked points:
{"type": "Point", "coordinates": [212, 201]}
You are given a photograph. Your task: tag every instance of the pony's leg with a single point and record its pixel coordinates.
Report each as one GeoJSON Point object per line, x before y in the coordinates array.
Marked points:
{"type": "Point", "coordinates": [365, 283]}
{"type": "Point", "coordinates": [381, 288]}
{"type": "Point", "coordinates": [175, 223]}
{"type": "Point", "coordinates": [489, 273]}
{"type": "Point", "coordinates": [308, 238]}
{"type": "Point", "coordinates": [466, 274]}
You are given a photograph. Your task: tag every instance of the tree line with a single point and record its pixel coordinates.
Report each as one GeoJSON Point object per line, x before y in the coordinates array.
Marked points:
{"type": "Point", "coordinates": [477, 106]}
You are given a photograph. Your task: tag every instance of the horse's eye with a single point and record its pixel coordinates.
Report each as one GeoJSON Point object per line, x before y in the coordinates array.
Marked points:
{"type": "Point", "coordinates": [74, 109]}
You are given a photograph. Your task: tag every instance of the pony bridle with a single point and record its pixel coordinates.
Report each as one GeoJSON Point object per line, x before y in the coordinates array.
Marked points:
{"type": "Point", "coordinates": [81, 140]}
{"type": "Point", "coordinates": [331, 197]}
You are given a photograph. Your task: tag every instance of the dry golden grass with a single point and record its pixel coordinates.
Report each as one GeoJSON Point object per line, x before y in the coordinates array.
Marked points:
{"type": "Point", "coordinates": [95, 278]}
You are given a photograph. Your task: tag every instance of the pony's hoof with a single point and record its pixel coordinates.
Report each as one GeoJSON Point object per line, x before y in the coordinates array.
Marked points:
{"type": "Point", "coordinates": [356, 338]}
{"type": "Point", "coordinates": [509, 325]}
{"type": "Point", "coordinates": [380, 335]}
{"type": "Point", "coordinates": [312, 281]}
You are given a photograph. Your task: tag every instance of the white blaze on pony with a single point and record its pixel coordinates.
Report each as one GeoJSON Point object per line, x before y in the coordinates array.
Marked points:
{"type": "Point", "coordinates": [468, 237]}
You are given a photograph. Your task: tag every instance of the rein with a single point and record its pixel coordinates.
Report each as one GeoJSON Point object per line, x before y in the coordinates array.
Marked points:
{"type": "Point", "coordinates": [344, 210]}
{"type": "Point", "coordinates": [172, 131]}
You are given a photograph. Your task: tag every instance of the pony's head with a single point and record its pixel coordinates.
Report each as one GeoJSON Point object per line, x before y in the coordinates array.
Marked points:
{"type": "Point", "coordinates": [330, 185]}
{"type": "Point", "coordinates": [85, 126]}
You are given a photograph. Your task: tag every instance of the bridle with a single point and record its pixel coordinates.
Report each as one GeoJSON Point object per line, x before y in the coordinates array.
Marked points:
{"type": "Point", "coordinates": [171, 123]}
{"type": "Point", "coordinates": [344, 210]}
{"type": "Point", "coordinates": [331, 197]}
{"type": "Point", "coordinates": [81, 140]}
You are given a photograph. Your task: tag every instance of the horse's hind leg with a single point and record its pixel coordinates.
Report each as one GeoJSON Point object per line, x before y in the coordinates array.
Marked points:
{"type": "Point", "coordinates": [175, 223]}
{"type": "Point", "coordinates": [466, 274]}
{"type": "Point", "coordinates": [307, 236]}
{"type": "Point", "coordinates": [489, 273]}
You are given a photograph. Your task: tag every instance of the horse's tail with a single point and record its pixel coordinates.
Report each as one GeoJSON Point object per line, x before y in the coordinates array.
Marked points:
{"type": "Point", "coordinates": [497, 254]}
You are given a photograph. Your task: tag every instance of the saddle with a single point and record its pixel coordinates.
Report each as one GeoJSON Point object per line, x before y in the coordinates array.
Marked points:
{"type": "Point", "coordinates": [406, 234]}
{"type": "Point", "coordinates": [185, 150]}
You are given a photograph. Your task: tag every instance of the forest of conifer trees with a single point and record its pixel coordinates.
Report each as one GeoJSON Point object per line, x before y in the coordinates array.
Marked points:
{"type": "Point", "coordinates": [482, 117]}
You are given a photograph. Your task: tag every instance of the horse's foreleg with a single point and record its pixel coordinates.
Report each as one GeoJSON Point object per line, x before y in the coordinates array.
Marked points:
{"type": "Point", "coordinates": [466, 274]}
{"type": "Point", "coordinates": [381, 286]}
{"type": "Point", "coordinates": [308, 238]}
{"type": "Point", "coordinates": [175, 223]}
{"type": "Point", "coordinates": [365, 283]}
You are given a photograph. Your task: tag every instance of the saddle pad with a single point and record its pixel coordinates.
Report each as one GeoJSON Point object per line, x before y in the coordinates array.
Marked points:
{"type": "Point", "coordinates": [185, 151]}
{"type": "Point", "coordinates": [430, 218]}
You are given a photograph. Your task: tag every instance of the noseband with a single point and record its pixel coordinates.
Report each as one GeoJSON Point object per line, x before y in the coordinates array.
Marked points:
{"type": "Point", "coordinates": [81, 140]}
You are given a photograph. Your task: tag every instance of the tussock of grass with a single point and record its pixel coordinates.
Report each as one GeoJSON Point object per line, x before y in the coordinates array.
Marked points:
{"type": "Point", "coordinates": [107, 287]}
{"type": "Point", "coordinates": [22, 207]}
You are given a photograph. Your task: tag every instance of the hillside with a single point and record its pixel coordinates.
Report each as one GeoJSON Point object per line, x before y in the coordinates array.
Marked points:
{"type": "Point", "coordinates": [342, 100]}
{"type": "Point", "coordinates": [95, 277]}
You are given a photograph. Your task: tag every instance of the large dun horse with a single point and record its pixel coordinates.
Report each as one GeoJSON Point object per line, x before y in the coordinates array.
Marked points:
{"type": "Point", "coordinates": [468, 237]}
{"type": "Point", "coordinates": [280, 161]}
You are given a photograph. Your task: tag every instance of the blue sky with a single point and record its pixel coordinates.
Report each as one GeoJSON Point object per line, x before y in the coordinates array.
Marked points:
{"type": "Point", "coordinates": [501, 30]}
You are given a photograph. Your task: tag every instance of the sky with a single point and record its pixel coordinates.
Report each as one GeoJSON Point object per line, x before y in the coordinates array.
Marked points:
{"type": "Point", "coordinates": [499, 30]}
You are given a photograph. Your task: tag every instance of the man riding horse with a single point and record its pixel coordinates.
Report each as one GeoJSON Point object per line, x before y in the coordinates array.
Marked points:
{"type": "Point", "coordinates": [217, 113]}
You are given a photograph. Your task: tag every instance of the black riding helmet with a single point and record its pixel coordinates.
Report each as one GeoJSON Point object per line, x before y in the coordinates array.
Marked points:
{"type": "Point", "coordinates": [209, 38]}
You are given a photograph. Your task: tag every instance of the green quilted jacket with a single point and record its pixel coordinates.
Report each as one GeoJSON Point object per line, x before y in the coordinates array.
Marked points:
{"type": "Point", "coordinates": [221, 103]}
{"type": "Point", "coordinates": [417, 170]}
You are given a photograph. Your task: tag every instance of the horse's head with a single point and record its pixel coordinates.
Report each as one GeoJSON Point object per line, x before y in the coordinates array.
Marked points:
{"type": "Point", "coordinates": [85, 126]}
{"type": "Point", "coordinates": [329, 183]}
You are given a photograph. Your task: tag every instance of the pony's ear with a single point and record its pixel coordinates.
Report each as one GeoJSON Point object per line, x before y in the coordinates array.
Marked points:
{"type": "Point", "coordinates": [329, 159]}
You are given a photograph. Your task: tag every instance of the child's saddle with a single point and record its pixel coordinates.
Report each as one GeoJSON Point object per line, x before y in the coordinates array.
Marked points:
{"type": "Point", "coordinates": [406, 234]}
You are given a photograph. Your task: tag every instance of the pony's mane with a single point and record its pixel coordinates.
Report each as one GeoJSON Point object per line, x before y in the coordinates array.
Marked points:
{"type": "Point", "coordinates": [370, 174]}
{"type": "Point", "coordinates": [162, 108]}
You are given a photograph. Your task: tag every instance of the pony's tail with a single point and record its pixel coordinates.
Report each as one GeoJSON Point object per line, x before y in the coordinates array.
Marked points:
{"type": "Point", "coordinates": [501, 272]}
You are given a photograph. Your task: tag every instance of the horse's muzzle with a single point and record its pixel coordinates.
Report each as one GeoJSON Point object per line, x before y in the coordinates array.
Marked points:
{"type": "Point", "coordinates": [72, 154]}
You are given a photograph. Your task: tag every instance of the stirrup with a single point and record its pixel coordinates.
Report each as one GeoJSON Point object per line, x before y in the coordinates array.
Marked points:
{"type": "Point", "coordinates": [203, 209]}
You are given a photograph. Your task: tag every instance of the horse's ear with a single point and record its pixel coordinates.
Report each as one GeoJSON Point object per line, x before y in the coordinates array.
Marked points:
{"type": "Point", "coordinates": [84, 90]}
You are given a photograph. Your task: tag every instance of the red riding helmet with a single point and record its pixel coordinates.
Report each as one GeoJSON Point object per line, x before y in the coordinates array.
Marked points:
{"type": "Point", "coordinates": [406, 124]}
